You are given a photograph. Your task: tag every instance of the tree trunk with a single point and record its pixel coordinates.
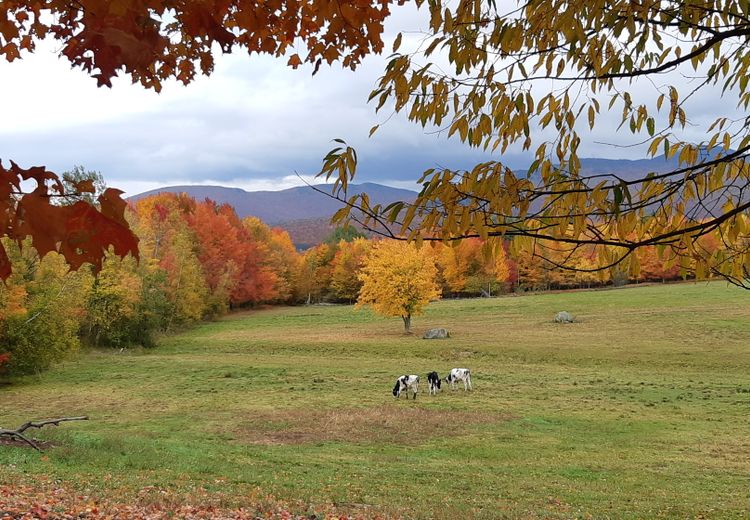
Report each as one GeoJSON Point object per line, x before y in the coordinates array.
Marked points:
{"type": "Point", "coordinates": [407, 323]}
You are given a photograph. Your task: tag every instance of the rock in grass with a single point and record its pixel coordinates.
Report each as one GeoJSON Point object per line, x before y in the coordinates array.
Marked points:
{"type": "Point", "coordinates": [564, 317]}
{"type": "Point", "coordinates": [436, 334]}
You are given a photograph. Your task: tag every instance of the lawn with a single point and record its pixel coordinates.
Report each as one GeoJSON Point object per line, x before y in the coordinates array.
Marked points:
{"type": "Point", "coordinates": [639, 410]}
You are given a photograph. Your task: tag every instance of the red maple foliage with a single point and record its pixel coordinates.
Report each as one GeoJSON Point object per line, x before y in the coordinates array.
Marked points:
{"type": "Point", "coordinates": [229, 254]}
{"type": "Point", "coordinates": [152, 40]}
{"type": "Point", "coordinates": [80, 232]}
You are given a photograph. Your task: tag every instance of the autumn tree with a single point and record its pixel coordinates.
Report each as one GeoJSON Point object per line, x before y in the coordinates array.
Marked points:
{"type": "Point", "coordinates": [278, 255]}
{"type": "Point", "coordinates": [314, 278]}
{"type": "Point", "coordinates": [398, 279]}
{"type": "Point", "coordinates": [482, 72]}
{"type": "Point", "coordinates": [42, 306]}
{"type": "Point", "coordinates": [473, 267]}
{"type": "Point", "coordinates": [545, 76]}
{"type": "Point", "coordinates": [654, 267]}
{"type": "Point", "coordinates": [169, 250]}
{"type": "Point", "coordinates": [346, 266]}
{"type": "Point", "coordinates": [113, 304]}
{"type": "Point", "coordinates": [231, 262]}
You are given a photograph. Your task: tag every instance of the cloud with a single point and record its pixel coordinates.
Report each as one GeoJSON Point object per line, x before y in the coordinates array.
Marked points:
{"type": "Point", "coordinates": [254, 123]}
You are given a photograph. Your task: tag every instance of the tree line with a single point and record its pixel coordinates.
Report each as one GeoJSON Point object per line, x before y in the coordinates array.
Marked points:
{"type": "Point", "coordinates": [198, 260]}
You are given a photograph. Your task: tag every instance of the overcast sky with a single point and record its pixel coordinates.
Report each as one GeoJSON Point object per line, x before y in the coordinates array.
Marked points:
{"type": "Point", "coordinates": [253, 124]}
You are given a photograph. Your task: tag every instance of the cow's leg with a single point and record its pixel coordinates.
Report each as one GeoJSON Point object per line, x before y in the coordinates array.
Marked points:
{"type": "Point", "coordinates": [469, 379]}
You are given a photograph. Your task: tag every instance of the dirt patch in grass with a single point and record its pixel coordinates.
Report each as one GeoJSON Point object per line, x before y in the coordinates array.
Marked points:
{"type": "Point", "coordinates": [399, 425]}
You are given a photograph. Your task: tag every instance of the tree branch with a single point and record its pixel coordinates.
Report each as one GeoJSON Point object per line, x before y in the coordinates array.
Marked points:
{"type": "Point", "coordinates": [18, 432]}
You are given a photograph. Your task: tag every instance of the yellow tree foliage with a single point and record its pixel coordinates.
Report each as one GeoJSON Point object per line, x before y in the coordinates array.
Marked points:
{"type": "Point", "coordinates": [545, 77]}
{"type": "Point", "coordinates": [42, 306]}
{"type": "Point", "coordinates": [501, 267]}
{"type": "Point", "coordinates": [398, 279]}
{"type": "Point", "coordinates": [473, 266]}
{"type": "Point", "coordinates": [314, 277]}
{"type": "Point", "coordinates": [167, 243]}
{"type": "Point", "coordinates": [114, 301]}
{"type": "Point", "coordinates": [349, 259]}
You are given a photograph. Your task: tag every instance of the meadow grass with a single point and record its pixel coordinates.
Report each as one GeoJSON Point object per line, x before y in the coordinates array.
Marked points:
{"type": "Point", "coordinates": [638, 410]}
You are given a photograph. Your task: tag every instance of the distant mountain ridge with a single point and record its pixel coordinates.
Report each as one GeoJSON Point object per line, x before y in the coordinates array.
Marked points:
{"type": "Point", "coordinates": [293, 204]}
{"type": "Point", "coordinates": [305, 213]}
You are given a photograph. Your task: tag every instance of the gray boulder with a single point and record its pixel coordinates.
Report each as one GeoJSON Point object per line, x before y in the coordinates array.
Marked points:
{"type": "Point", "coordinates": [564, 317]}
{"type": "Point", "coordinates": [436, 334]}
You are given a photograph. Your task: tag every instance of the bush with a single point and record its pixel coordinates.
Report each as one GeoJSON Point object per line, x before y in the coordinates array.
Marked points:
{"type": "Point", "coordinates": [41, 310]}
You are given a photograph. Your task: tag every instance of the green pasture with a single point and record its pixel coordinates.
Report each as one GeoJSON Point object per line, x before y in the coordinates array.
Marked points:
{"type": "Point", "coordinates": [641, 409]}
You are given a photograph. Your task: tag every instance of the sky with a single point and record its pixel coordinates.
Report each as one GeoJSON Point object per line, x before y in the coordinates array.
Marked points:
{"type": "Point", "coordinates": [255, 123]}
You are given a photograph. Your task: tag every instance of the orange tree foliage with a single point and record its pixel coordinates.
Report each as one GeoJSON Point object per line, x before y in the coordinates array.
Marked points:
{"type": "Point", "coordinates": [398, 279]}
{"type": "Point", "coordinates": [151, 41]}
{"type": "Point", "coordinates": [279, 256]}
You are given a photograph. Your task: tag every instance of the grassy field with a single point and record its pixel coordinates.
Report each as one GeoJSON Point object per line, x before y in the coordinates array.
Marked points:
{"type": "Point", "coordinates": [639, 410]}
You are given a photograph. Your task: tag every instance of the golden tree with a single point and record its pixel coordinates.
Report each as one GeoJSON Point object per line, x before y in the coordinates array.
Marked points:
{"type": "Point", "coordinates": [540, 76]}
{"type": "Point", "coordinates": [398, 279]}
{"type": "Point", "coordinates": [345, 281]}
{"type": "Point", "coordinates": [472, 266]}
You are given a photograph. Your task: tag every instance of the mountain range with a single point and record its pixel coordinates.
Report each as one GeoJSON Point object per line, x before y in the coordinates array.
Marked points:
{"type": "Point", "coordinates": [305, 213]}
{"type": "Point", "coordinates": [302, 211]}
{"type": "Point", "coordinates": [275, 207]}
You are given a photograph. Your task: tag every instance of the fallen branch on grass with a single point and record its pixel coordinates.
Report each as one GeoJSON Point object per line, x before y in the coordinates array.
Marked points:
{"type": "Point", "coordinates": [18, 432]}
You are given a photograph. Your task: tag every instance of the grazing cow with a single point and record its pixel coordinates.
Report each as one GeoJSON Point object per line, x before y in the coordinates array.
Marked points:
{"type": "Point", "coordinates": [459, 374]}
{"type": "Point", "coordinates": [404, 384]}
{"type": "Point", "coordinates": [433, 379]}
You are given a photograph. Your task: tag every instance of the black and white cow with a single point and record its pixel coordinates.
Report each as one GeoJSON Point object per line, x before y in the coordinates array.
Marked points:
{"type": "Point", "coordinates": [433, 379]}
{"type": "Point", "coordinates": [459, 374]}
{"type": "Point", "coordinates": [406, 383]}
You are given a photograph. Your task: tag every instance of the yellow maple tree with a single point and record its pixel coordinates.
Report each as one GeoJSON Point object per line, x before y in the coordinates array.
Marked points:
{"type": "Point", "coordinates": [398, 279]}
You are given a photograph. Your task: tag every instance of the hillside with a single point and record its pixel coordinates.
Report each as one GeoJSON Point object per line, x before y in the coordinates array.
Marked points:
{"type": "Point", "coordinates": [276, 207]}
{"type": "Point", "coordinates": [305, 213]}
